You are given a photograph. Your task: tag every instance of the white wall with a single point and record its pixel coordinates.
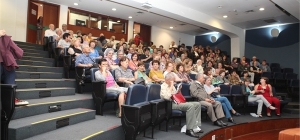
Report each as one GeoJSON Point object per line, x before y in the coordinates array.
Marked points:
{"type": "Point", "coordinates": [130, 30]}
{"type": "Point", "coordinates": [63, 15]}
{"type": "Point", "coordinates": [13, 18]}
{"type": "Point", "coordinates": [164, 37]}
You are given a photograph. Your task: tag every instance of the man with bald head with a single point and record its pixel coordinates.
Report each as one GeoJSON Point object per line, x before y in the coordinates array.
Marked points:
{"type": "Point", "coordinates": [214, 108]}
{"type": "Point", "coordinates": [51, 31]}
{"type": "Point", "coordinates": [84, 60]}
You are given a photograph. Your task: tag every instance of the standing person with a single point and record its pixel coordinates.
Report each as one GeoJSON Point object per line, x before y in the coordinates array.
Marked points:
{"type": "Point", "coordinates": [39, 30]}
{"type": "Point", "coordinates": [265, 89]}
{"type": "Point", "coordinates": [9, 53]}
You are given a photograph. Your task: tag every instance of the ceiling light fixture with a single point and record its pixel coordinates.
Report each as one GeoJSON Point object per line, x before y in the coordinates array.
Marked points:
{"type": "Point", "coordinates": [225, 16]}
{"type": "Point", "coordinates": [130, 17]}
{"type": "Point", "coordinates": [171, 27]}
{"type": "Point", "coordinates": [76, 4]}
{"type": "Point", "coordinates": [261, 9]}
{"type": "Point", "coordinates": [114, 9]}
{"type": "Point", "coordinates": [41, 5]}
{"type": "Point", "coordinates": [118, 21]}
{"type": "Point", "coordinates": [105, 26]}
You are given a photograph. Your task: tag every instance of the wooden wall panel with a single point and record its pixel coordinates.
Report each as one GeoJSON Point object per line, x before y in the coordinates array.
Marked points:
{"type": "Point", "coordinates": [145, 32]}
{"type": "Point", "coordinates": [51, 15]}
{"type": "Point", "coordinates": [97, 32]}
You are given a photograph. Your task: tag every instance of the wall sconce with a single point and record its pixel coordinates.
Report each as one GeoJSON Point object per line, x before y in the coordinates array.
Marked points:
{"type": "Point", "coordinates": [213, 39]}
{"type": "Point", "coordinates": [275, 32]}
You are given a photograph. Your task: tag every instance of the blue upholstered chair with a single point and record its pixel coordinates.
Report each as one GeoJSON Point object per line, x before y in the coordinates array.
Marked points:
{"type": "Point", "coordinates": [136, 112]}
{"type": "Point", "coordinates": [100, 95]}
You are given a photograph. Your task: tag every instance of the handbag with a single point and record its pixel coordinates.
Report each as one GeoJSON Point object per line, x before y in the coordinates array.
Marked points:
{"type": "Point", "coordinates": [214, 94]}
{"type": "Point", "coordinates": [140, 81]}
{"type": "Point", "coordinates": [178, 98]}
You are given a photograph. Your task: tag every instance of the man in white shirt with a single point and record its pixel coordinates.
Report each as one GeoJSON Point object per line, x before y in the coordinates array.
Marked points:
{"type": "Point", "coordinates": [50, 32]}
{"type": "Point", "coordinates": [64, 29]}
{"type": "Point", "coordinates": [173, 45]}
{"type": "Point", "coordinates": [65, 41]}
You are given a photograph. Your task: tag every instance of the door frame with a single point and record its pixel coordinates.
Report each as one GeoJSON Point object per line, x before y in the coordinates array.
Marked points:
{"type": "Point", "coordinates": [29, 11]}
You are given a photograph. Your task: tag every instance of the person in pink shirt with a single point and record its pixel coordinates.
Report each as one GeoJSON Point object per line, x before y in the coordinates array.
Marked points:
{"type": "Point", "coordinates": [133, 63]}
{"type": "Point", "coordinates": [103, 74]}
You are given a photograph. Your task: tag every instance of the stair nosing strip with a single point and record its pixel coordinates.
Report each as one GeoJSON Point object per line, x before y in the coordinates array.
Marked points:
{"type": "Point", "coordinates": [60, 117]}
{"type": "Point", "coordinates": [50, 102]}
{"type": "Point", "coordinates": [92, 135]}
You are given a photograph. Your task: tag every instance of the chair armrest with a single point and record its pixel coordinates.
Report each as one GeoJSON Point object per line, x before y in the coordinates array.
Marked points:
{"type": "Point", "coordinates": [99, 89]}
{"type": "Point", "coordinates": [169, 109]}
{"type": "Point", "coordinates": [67, 60]}
{"type": "Point", "coordinates": [134, 114]}
{"type": "Point", "coordinates": [121, 84]}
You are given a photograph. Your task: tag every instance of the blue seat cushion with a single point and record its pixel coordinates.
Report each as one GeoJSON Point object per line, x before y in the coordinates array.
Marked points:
{"type": "Point", "coordinates": [141, 104]}
{"type": "Point", "coordinates": [203, 108]}
{"type": "Point", "coordinates": [252, 103]}
{"type": "Point", "coordinates": [112, 95]}
{"type": "Point", "coordinates": [176, 112]}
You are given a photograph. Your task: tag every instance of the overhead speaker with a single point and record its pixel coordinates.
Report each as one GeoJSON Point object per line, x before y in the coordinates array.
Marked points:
{"type": "Point", "coordinates": [274, 32]}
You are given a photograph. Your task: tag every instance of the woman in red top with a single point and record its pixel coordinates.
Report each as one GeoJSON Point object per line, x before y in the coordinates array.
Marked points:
{"type": "Point", "coordinates": [265, 89]}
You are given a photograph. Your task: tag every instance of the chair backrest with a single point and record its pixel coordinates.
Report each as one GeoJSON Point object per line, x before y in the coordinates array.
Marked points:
{"type": "Point", "coordinates": [66, 51]}
{"type": "Point", "coordinates": [185, 90]}
{"type": "Point", "coordinates": [146, 66]}
{"type": "Point", "coordinates": [275, 69]}
{"type": "Point", "coordinates": [97, 60]}
{"type": "Point", "coordinates": [153, 92]}
{"type": "Point", "coordinates": [290, 76]}
{"type": "Point", "coordinates": [236, 89]}
{"type": "Point", "coordinates": [288, 70]}
{"type": "Point", "coordinates": [225, 89]}
{"type": "Point", "coordinates": [136, 94]}
{"type": "Point", "coordinates": [278, 75]}
{"type": "Point", "coordinates": [274, 65]}
{"type": "Point", "coordinates": [93, 70]}
{"type": "Point", "coordinates": [8, 101]}
{"type": "Point", "coordinates": [274, 91]}
{"type": "Point", "coordinates": [193, 76]}
{"type": "Point", "coordinates": [267, 74]}
{"type": "Point", "coordinates": [294, 83]}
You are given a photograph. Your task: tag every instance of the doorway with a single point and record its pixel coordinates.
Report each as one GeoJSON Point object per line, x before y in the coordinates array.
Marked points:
{"type": "Point", "coordinates": [144, 31]}
{"type": "Point", "coordinates": [38, 9]}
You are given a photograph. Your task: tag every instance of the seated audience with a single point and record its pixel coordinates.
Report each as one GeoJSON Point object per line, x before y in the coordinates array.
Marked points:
{"type": "Point", "coordinates": [170, 69]}
{"type": "Point", "coordinates": [58, 33]}
{"type": "Point", "coordinates": [208, 72]}
{"type": "Point", "coordinates": [257, 72]}
{"type": "Point", "coordinates": [75, 48]}
{"type": "Point", "coordinates": [174, 56]}
{"type": "Point", "coordinates": [94, 53]}
{"type": "Point", "coordinates": [133, 63]}
{"type": "Point", "coordinates": [219, 68]}
{"type": "Point", "coordinates": [103, 74]}
{"type": "Point", "coordinates": [226, 63]}
{"type": "Point", "coordinates": [130, 52]}
{"type": "Point", "coordinates": [163, 62]}
{"type": "Point", "coordinates": [51, 31]}
{"type": "Point", "coordinates": [198, 67]}
{"type": "Point", "coordinates": [123, 74]}
{"type": "Point", "coordinates": [120, 54]}
{"type": "Point", "coordinates": [214, 108]}
{"type": "Point", "coordinates": [244, 59]}
{"type": "Point", "coordinates": [195, 55]}
{"type": "Point", "coordinates": [264, 67]}
{"type": "Point", "coordinates": [234, 63]}
{"type": "Point", "coordinates": [244, 67]}
{"type": "Point", "coordinates": [64, 42]}
{"type": "Point", "coordinates": [64, 29]}
{"type": "Point", "coordinates": [221, 78]}
{"type": "Point", "coordinates": [109, 58]}
{"type": "Point", "coordinates": [140, 73]}
{"type": "Point", "coordinates": [215, 93]}
{"type": "Point", "coordinates": [181, 73]}
{"type": "Point", "coordinates": [155, 73]}
{"type": "Point", "coordinates": [89, 37]}
{"type": "Point", "coordinates": [192, 109]}
{"type": "Point", "coordinates": [181, 59]}
{"type": "Point", "coordinates": [173, 45]}
{"type": "Point", "coordinates": [234, 78]}
{"type": "Point", "coordinates": [188, 65]}
{"type": "Point", "coordinates": [210, 65]}
{"type": "Point", "coordinates": [257, 64]}
{"type": "Point", "coordinates": [84, 60]}
{"type": "Point", "coordinates": [265, 89]}
{"type": "Point", "coordinates": [252, 97]}
{"type": "Point", "coordinates": [146, 57]}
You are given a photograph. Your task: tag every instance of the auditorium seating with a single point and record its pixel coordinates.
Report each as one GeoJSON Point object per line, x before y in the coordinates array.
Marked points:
{"type": "Point", "coordinates": [100, 95]}
{"type": "Point", "coordinates": [158, 106]}
{"type": "Point", "coordinates": [8, 95]}
{"type": "Point", "coordinates": [136, 112]}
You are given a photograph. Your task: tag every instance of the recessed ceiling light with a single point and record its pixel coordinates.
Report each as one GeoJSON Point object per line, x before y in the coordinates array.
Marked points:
{"type": "Point", "coordinates": [105, 26]}
{"type": "Point", "coordinates": [261, 9]}
{"type": "Point", "coordinates": [41, 5]}
{"type": "Point", "coordinates": [75, 3]}
{"type": "Point", "coordinates": [114, 9]}
{"type": "Point", "coordinates": [225, 16]}
{"type": "Point", "coordinates": [118, 21]}
{"type": "Point", "coordinates": [219, 6]}
{"type": "Point", "coordinates": [130, 17]}
{"type": "Point", "coordinates": [171, 27]}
